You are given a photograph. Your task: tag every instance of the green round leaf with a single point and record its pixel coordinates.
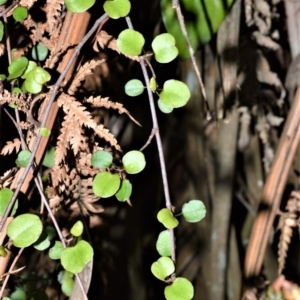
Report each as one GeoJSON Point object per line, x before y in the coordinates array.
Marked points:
{"type": "Point", "coordinates": [23, 158]}
{"type": "Point", "coordinates": [2, 2]}
{"type": "Point", "coordinates": [125, 190]}
{"type": "Point", "coordinates": [163, 268]}
{"type": "Point", "coordinates": [31, 65]}
{"type": "Point", "coordinates": [130, 42]}
{"type": "Point", "coordinates": [77, 228]}
{"type": "Point", "coordinates": [73, 259]}
{"type": "Point", "coordinates": [164, 48]}
{"type": "Point", "coordinates": [5, 196]}
{"type": "Point", "coordinates": [45, 132]}
{"type": "Point", "coordinates": [79, 6]}
{"type": "Point", "coordinates": [17, 67]}
{"type": "Point", "coordinates": [164, 108]}
{"type": "Point", "coordinates": [17, 90]}
{"type": "Point", "coordinates": [31, 85]}
{"type": "Point", "coordinates": [20, 13]}
{"type": "Point", "coordinates": [166, 217]}
{"type": "Point", "coordinates": [106, 184]}
{"type": "Point", "coordinates": [134, 88]}
{"type": "Point", "coordinates": [39, 52]}
{"type": "Point", "coordinates": [175, 93]}
{"type": "Point", "coordinates": [134, 162]}
{"type": "Point", "coordinates": [101, 159]}
{"type": "Point", "coordinates": [67, 286]}
{"type": "Point", "coordinates": [153, 84]}
{"type": "Point", "coordinates": [24, 230]}
{"type": "Point", "coordinates": [193, 211]}
{"type": "Point", "coordinates": [18, 295]}
{"type": "Point", "coordinates": [56, 250]}
{"type": "Point", "coordinates": [117, 8]}
{"type": "Point", "coordinates": [42, 243]}
{"type": "Point", "coordinates": [163, 244]}
{"type": "Point", "coordinates": [3, 252]}
{"type": "Point", "coordinates": [49, 159]}
{"type": "Point", "coordinates": [1, 30]}
{"type": "Point", "coordinates": [180, 289]}
{"type": "Point", "coordinates": [40, 75]}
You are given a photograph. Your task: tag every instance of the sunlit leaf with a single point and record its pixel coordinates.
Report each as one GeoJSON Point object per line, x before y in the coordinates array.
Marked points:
{"type": "Point", "coordinates": [79, 6]}
{"type": "Point", "coordinates": [45, 132]}
{"type": "Point", "coordinates": [20, 13]}
{"type": "Point", "coordinates": [17, 67]}
{"type": "Point", "coordinates": [5, 196]}
{"type": "Point", "coordinates": [166, 217]}
{"type": "Point", "coordinates": [117, 8]}
{"type": "Point", "coordinates": [106, 184]}
{"type": "Point", "coordinates": [163, 244]}
{"type": "Point", "coordinates": [153, 84]}
{"type": "Point", "coordinates": [163, 268]}
{"type": "Point", "coordinates": [134, 88]}
{"type": "Point", "coordinates": [125, 190]}
{"type": "Point", "coordinates": [134, 161]}
{"type": "Point", "coordinates": [77, 228]}
{"type": "Point", "coordinates": [101, 159]}
{"type": "Point", "coordinates": [23, 158]}
{"type": "Point", "coordinates": [164, 48]}
{"type": "Point", "coordinates": [130, 42]}
{"type": "Point", "coordinates": [193, 211]}
{"type": "Point", "coordinates": [164, 108]}
{"type": "Point", "coordinates": [56, 250]}
{"type": "Point", "coordinates": [180, 289]}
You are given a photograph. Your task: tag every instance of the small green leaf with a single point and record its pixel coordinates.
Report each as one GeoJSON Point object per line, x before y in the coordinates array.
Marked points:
{"type": "Point", "coordinates": [164, 108]}
{"type": "Point", "coordinates": [163, 268]}
{"type": "Point", "coordinates": [50, 231]}
{"type": "Point", "coordinates": [193, 211]}
{"type": "Point", "coordinates": [39, 52]}
{"type": "Point", "coordinates": [67, 286]}
{"type": "Point", "coordinates": [24, 230]}
{"type": "Point", "coordinates": [130, 42]}
{"type": "Point", "coordinates": [163, 244]}
{"type": "Point", "coordinates": [134, 88]}
{"type": "Point", "coordinates": [106, 184]}
{"type": "Point", "coordinates": [2, 2]}
{"type": "Point", "coordinates": [180, 289]}
{"type": "Point", "coordinates": [13, 105]}
{"type": "Point", "coordinates": [40, 75]}
{"type": "Point", "coordinates": [17, 90]}
{"type": "Point", "coordinates": [3, 252]}
{"type": "Point", "coordinates": [164, 48]}
{"type": "Point", "coordinates": [31, 85]}
{"type": "Point", "coordinates": [45, 132]}
{"type": "Point", "coordinates": [125, 190]}
{"type": "Point", "coordinates": [1, 30]}
{"type": "Point", "coordinates": [42, 243]}
{"type": "Point", "coordinates": [101, 159]}
{"type": "Point", "coordinates": [117, 8]}
{"type": "Point", "coordinates": [49, 159]}
{"type": "Point", "coordinates": [134, 162]}
{"type": "Point", "coordinates": [79, 6]}
{"type": "Point", "coordinates": [73, 259]}
{"type": "Point", "coordinates": [166, 217]}
{"type": "Point", "coordinates": [153, 84]}
{"type": "Point", "coordinates": [31, 65]}
{"type": "Point", "coordinates": [2, 77]}
{"type": "Point", "coordinates": [77, 228]}
{"type": "Point", "coordinates": [17, 67]}
{"type": "Point", "coordinates": [23, 158]}
{"type": "Point", "coordinates": [175, 93]}
{"type": "Point", "coordinates": [5, 196]}
{"type": "Point", "coordinates": [18, 295]}
{"type": "Point", "coordinates": [56, 250]}
{"type": "Point", "coordinates": [20, 13]}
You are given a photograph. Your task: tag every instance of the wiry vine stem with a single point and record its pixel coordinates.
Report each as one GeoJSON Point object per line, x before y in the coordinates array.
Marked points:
{"type": "Point", "coordinates": [176, 6]}
{"type": "Point", "coordinates": [155, 129]}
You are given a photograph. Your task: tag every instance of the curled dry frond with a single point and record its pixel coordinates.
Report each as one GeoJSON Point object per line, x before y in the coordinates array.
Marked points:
{"type": "Point", "coordinates": [11, 98]}
{"type": "Point", "coordinates": [11, 146]}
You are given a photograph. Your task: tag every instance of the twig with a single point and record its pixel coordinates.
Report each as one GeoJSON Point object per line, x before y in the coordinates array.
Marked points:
{"type": "Point", "coordinates": [176, 6]}
{"type": "Point", "coordinates": [153, 132]}
{"type": "Point", "coordinates": [159, 144]}
{"type": "Point", "coordinates": [9, 8]}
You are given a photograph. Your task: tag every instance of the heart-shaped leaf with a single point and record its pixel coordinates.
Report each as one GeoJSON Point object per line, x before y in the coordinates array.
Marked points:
{"type": "Point", "coordinates": [134, 161]}
{"type": "Point", "coordinates": [17, 67]}
{"type": "Point", "coordinates": [24, 230]}
{"type": "Point", "coordinates": [164, 48]}
{"type": "Point", "coordinates": [166, 217]}
{"type": "Point", "coordinates": [193, 211]}
{"type": "Point", "coordinates": [175, 93]}
{"type": "Point", "coordinates": [125, 190]}
{"type": "Point", "coordinates": [106, 184]}
{"type": "Point", "coordinates": [79, 6]}
{"type": "Point", "coordinates": [180, 289]}
{"type": "Point", "coordinates": [163, 268]}
{"type": "Point", "coordinates": [73, 259]}
{"type": "Point", "coordinates": [163, 244]}
{"type": "Point", "coordinates": [117, 8]}
{"type": "Point", "coordinates": [163, 107]}
{"type": "Point", "coordinates": [5, 196]}
{"type": "Point", "coordinates": [134, 88]}
{"type": "Point", "coordinates": [31, 85]}
{"type": "Point", "coordinates": [31, 65]}
{"type": "Point", "coordinates": [23, 158]}
{"type": "Point", "coordinates": [56, 251]}
{"type": "Point", "coordinates": [130, 42]}
{"type": "Point", "coordinates": [40, 75]}
{"type": "Point", "coordinates": [101, 159]}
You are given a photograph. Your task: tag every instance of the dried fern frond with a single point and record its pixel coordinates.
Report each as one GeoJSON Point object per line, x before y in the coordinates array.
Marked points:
{"type": "Point", "coordinates": [27, 3]}
{"type": "Point", "coordinates": [105, 40]}
{"type": "Point", "coordinates": [11, 98]}
{"type": "Point", "coordinates": [104, 102]}
{"type": "Point", "coordinates": [7, 178]}
{"type": "Point", "coordinates": [85, 70]}
{"type": "Point", "coordinates": [55, 56]}
{"type": "Point", "coordinates": [11, 146]}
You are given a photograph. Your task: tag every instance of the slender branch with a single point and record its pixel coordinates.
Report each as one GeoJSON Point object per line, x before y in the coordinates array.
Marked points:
{"type": "Point", "coordinates": [176, 6]}
{"type": "Point", "coordinates": [2, 13]}
{"type": "Point", "coordinates": [153, 131]}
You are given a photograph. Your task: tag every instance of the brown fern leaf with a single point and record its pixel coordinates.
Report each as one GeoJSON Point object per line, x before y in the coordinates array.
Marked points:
{"type": "Point", "coordinates": [78, 141]}
{"type": "Point", "coordinates": [76, 109]}
{"type": "Point", "coordinates": [27, 3]}
{"type": "Point", "coordinates": [11, 146]}
{"type": "Point", "coordinates": [285, 238]}
{"type": "Point", "coordinates": [105, 134]}
{"type": "Point", "coordinates": [53, 13]}
{"type": "Point", "coordinates": [11, 98]}
{"type": "Point", "coordinates": [84, 165]}
{"type": "Point", "coordinates": [105, 40]}
{"type": "Point", "coordinates": [55, 56]}
{"type": "Point", "coordinates": [85, 70]}
{"type": "Point", "coordinates": [7, 178]}
{"type": "Point", "coordinates": [104, 102]}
